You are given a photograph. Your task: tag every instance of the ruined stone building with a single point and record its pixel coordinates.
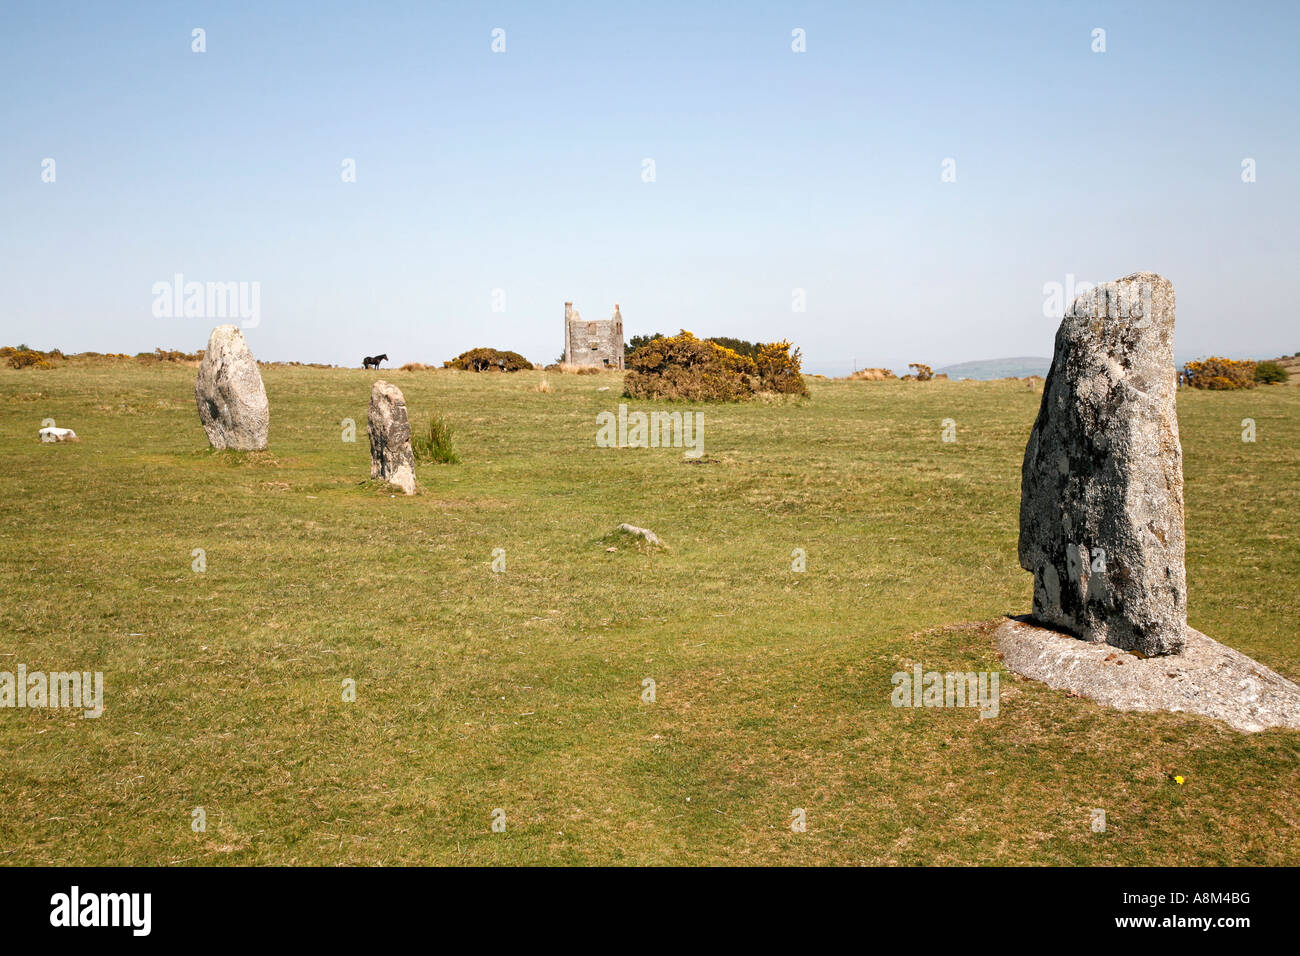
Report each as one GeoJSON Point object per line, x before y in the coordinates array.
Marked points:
{"type": "Point", "coordinates": [593, 343]}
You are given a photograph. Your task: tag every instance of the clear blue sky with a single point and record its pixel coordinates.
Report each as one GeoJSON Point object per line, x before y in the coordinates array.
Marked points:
{"type": "Point", "coordinates": [522, 171]}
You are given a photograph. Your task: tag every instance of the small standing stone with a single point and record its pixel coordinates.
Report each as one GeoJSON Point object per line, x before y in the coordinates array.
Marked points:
{"type": "Point", "coordinates": [391, 458]}
{"type": "Point", "coordinates": [1101, 500]}
{"type": "Point", "coordinates": [230, 394]}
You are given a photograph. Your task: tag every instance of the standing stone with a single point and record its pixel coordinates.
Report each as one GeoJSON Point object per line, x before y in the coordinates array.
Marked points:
{"type": "Point", "coordinates": [230, 394]}
{"type": "Point", "coordinates": [391, 457]}
{"type": "Point", "coordinates": [1101, 497]}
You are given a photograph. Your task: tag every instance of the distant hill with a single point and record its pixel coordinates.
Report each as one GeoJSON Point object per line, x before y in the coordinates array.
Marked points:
{"type": "Point", "coordinates": [998, 368]}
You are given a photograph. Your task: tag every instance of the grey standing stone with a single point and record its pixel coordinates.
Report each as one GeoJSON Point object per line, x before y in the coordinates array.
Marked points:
{"type": "Point", "coordinates": [230, 394]}
{"type": "Point", "coordinates": [1101, 498]}
{"type": "Point", "coordinates": [391, 458]}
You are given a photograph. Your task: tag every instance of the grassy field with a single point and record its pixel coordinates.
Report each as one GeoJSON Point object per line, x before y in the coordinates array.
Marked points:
{"type": "Point", "coordinates": [522, 690]}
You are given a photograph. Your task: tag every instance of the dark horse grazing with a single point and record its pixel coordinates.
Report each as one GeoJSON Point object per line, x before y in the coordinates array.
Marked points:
{"type": "Point", "coordinates": [372, 361]}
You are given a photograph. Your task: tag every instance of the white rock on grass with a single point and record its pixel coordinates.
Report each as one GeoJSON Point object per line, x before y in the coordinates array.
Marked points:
{"type": "Point", "coordinates": [1207, 678]}
{"type": "Point", "coordinates": [52, 434]}
{"type": "Point", "coordinates": [649, 536]}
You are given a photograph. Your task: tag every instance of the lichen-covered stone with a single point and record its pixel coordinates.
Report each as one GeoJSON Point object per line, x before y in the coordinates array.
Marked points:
{"type": "Point", "coordinates": [230, 394]}
{"type": "Point", "coordinates": [1101, 501]}
{"type": "Point", "coordinates": [391, 457]}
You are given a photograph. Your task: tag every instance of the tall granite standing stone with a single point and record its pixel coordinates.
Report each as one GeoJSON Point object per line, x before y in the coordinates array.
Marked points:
{"type": "Point", "coordinates": [391, 458]}
{"type": "Point", "coordinates": [1101, 498]}
{"type": "Point", "coordinates": [230, 394]}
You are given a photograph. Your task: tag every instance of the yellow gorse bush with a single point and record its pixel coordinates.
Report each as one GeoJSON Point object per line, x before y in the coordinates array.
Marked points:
{"type": "Point", "coordinates": [683, 367]}
{"type": "Point", "coordinates": [1222, 373]}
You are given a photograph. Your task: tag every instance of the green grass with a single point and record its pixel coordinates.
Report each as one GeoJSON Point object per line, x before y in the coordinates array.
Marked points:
{"type": "Point", "coordinates": [522, 690]}
{"type": "Point", "coordinates": [435, 444]}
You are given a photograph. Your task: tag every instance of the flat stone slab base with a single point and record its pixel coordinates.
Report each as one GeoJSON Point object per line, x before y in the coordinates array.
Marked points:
{"type": "Point", "coordinates": [1208, 678]}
